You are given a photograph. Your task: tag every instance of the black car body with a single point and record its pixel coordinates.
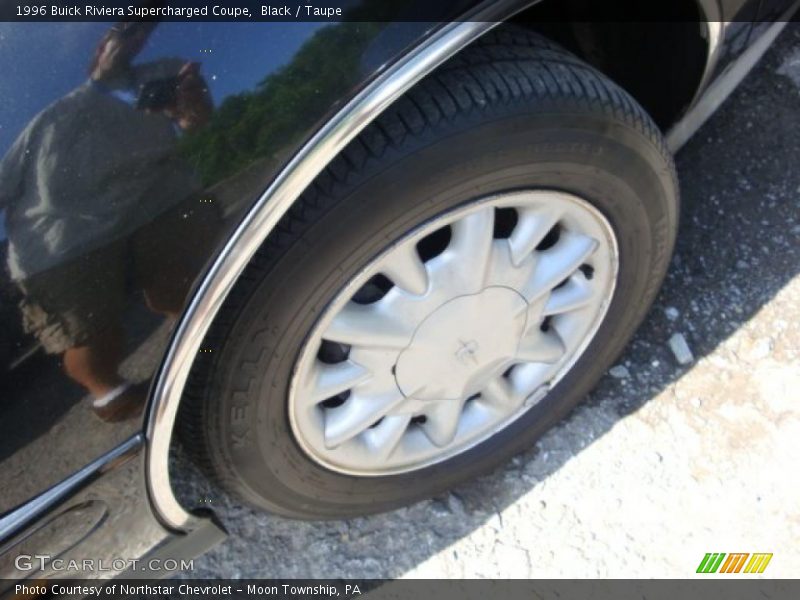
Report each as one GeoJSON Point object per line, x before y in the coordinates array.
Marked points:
{"type": "Point", "coordinates": [286, 98]}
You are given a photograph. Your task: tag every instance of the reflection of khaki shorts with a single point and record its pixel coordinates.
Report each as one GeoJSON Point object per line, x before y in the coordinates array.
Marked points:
{"type": "Point", "coordinates": [68, 305]}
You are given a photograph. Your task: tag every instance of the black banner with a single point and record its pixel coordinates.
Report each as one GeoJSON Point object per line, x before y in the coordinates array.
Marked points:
{"type": "Point", "coordinates": [735, 588]}
{"type": "Point", "coordinates": [361, 10]}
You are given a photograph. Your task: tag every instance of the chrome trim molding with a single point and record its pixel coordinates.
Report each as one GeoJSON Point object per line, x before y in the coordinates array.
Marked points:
{"type": "Point", "coordinates": [714, 34]}
{"type": "Point", "coordinates": [712, 97]}
{"type": "Point", "coordinates": [263, 217]}
{"type": "Point", "coordinates": [715, 31]}
{"type": "Point", "coordinates": [19, 518]}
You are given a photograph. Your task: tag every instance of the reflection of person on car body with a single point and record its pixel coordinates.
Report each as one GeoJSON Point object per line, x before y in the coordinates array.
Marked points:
{"type": "Point", "coordinates": [96, 197]}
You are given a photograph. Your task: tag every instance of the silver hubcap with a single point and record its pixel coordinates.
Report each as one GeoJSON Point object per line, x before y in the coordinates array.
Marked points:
{"type": "Point", "coordinates": [453, 332]}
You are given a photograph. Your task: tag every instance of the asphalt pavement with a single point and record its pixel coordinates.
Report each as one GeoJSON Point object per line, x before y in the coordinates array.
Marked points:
{"type": "Point", "coordinates": [664, 462]}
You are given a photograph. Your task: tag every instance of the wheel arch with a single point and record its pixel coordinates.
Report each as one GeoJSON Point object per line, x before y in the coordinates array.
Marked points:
{"type": "Point", "coordinates": [265, 214]}
{"type": "Point", "coordinates": [219, 278]}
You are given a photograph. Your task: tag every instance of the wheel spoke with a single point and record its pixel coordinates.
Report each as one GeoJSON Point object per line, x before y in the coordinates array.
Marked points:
{"type": "Point", "coordinates": [532, 227]}
{"type": "Point", "coordinates": [498, 393]}
{"type": "Point", "coordinates": [356, 415]}
{"type": "Point", "coordinates": [384, 438]}
{"type": "Point", "coordinates": [471, 247]}
{"type": "Point", "coordinates": [575, 294]}
{"type": "Point", "coordinates": [559, 262]}
{"type": "Point", "coordinates": [331, 380]}
{"type": "Point", "coordinates": [406, 270]}
{"type": "Point", "coordinates": [442, 422]}
{"type": "Point", "coordinates": [526, 378]}
{"type": "Point", "coordinates": [541, 347]}
{"type": "Point", "coordinates": [367, 325]}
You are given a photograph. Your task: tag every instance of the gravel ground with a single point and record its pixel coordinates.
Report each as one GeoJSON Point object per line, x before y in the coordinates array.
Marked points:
{"type": "Point", "coordinates": [663, 462]}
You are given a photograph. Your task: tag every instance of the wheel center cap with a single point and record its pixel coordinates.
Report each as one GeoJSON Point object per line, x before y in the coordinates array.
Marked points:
{"type": "Point", "coordinates": [461, 344]}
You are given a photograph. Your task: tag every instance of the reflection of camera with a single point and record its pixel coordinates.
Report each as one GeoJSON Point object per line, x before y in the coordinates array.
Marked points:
{"type": "Point", "coordinates": [158, 94]}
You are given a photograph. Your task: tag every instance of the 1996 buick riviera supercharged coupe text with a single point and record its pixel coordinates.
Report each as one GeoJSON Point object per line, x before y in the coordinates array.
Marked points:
{"type": "Point", "coordinates": [347, 265]}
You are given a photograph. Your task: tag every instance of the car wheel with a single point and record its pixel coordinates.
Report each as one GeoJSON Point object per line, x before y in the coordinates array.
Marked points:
{"type": "Point", "coordinates": [446, 290]}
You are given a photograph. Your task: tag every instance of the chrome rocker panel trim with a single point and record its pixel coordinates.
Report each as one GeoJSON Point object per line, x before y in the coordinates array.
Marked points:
{"type": "Point", "coordinates": [19, 518]}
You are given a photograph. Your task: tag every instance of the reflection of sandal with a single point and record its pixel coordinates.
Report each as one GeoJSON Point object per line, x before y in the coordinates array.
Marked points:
{"type": "Point", "coordinates": [123, 402]}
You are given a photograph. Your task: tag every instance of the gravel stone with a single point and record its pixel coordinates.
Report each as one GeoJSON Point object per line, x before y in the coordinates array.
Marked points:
{"type": "Point", "coordinates": [619, 372]}
{"type": "Point", "coordinates": [680, 349]}
{"type": "Point", "coordinates": [790, 67]}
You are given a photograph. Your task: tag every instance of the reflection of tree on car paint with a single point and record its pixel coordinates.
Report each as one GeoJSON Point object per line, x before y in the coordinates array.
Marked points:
{"type": "Point", "coordinates": [97, 199]}
{"type": "Point", "coordinates": [252, 125]}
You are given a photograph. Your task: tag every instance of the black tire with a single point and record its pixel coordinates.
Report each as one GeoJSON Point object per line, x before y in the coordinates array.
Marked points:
{"type": "Point", "coordinates": [513, 111]}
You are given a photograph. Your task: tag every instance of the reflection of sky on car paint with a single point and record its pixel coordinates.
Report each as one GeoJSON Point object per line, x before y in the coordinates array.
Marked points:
{"type": "Point", "coordinates": [41, 62]}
